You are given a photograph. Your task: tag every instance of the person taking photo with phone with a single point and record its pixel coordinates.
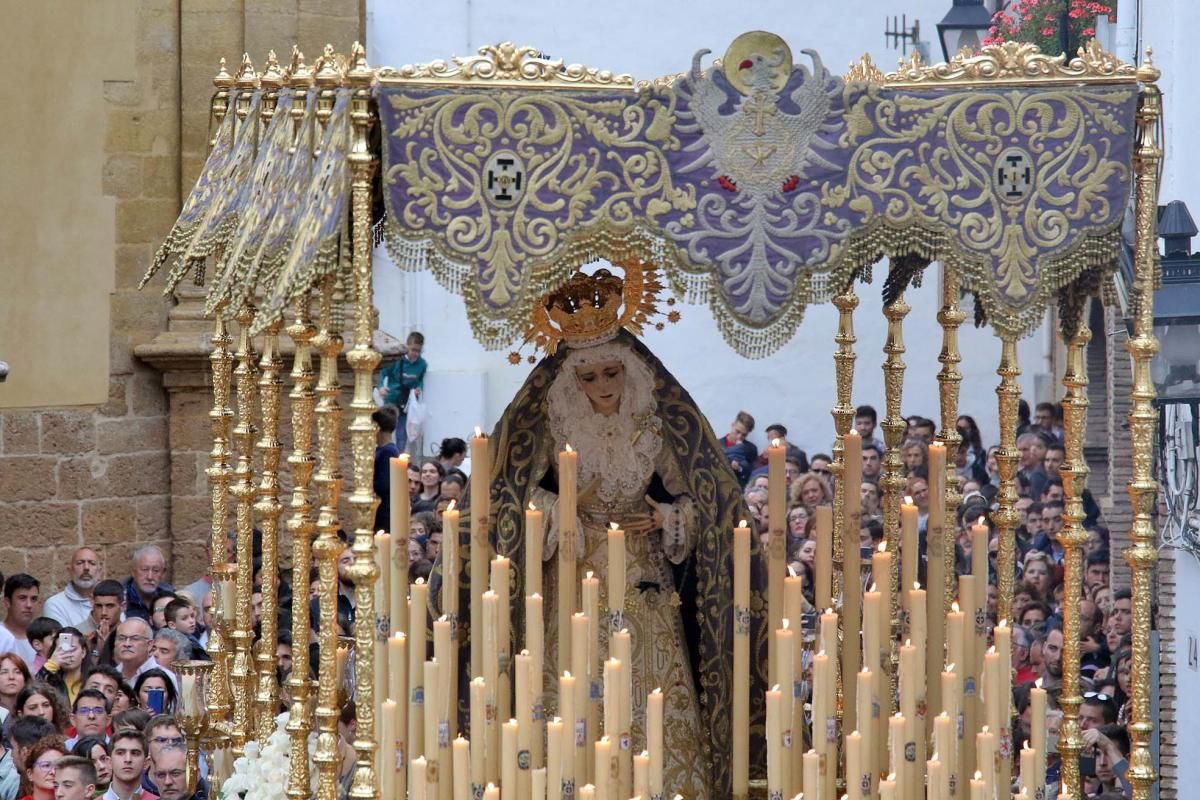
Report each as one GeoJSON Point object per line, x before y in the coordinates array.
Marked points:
{"type": "Point", "coordinates": [66, 664]}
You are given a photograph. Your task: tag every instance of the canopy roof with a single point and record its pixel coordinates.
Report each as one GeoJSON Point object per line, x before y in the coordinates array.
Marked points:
{"type": "Point", "coordinates": [759, 184]}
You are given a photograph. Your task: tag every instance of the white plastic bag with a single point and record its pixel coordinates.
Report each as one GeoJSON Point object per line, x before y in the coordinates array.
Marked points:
{"type": "Point", "coordinates": [418, 413]}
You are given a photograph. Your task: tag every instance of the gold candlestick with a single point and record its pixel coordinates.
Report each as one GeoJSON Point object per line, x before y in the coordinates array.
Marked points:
{"type": "Point", "coordinates": [268, 510]}
{"type": "Point", "coordinates": [326, 549]}
{"type": "Point", "coordinates": [1006, 516]}
{"type": "Point", "coordinates": [1142, 554]}
{"type": "Point", "coordinates": [363, 359]}
{"type": "Point", "coordinates": [1074, 474]}
{"type": "Point", "coordinates": [892, 480]}
{"type": "Point", "coordinates": [243, 491]}
{"type": "Point", "coordinates": [191, 713]}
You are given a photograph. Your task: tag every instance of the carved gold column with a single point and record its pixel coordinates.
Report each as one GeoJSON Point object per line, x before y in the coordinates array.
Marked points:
{"type": "Point", "coordinates": [326, 549]}
{"type": "Point", "coordinates": [301, 524]}
{"type": "Point", "coordinates": [941, 547]}
{"type": "Point", "coordinates": [1143, 421]}
{"type": "Point", "coordinates": [1006, 517]}
{"type": "Point", "coordinates": [1074, 474]}
{"type": "Point", "coordinates": [243, 489]}
{"type": "Point", "coordinates": [219, 700]}
{"type": "Point", "coordinates": [243, 492]}
{"type": "Point", "coordinates": [892, 480]}
{"type": "Point", "coordinates": [268, 508]}
{"type": "Point", "coordinates": [219, 473]}
{"type": "Point", "coordinates": [363, 359]}
{"type": "Point", "coordinates": [845, 576]}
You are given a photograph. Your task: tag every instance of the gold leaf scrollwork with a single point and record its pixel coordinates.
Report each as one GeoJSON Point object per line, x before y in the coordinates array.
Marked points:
{"type": "Point", "coordinates": [506, 64]}
{"type": "Point", "coordinates": [1014, 62]}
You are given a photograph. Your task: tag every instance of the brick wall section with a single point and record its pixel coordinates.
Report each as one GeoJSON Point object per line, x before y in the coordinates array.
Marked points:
{"type": "Point", "coordinates": [1117, 511]}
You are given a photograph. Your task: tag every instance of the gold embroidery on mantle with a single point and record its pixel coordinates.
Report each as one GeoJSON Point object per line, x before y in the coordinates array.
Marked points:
{"type": "Point", "coordinates": [1014, 62]}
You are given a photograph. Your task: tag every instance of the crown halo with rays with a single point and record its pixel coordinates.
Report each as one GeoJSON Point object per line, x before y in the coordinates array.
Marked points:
{"type": "Point", "coordinates": [590, 309]}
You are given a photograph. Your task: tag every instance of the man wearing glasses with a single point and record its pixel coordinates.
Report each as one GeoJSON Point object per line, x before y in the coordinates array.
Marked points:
{"type": "Point", "coordinates": [169, 773]}
{"type": "Point", "coordinates": [146, 584]}
{"type": "Point", "coordinates": [133, 648]}
{"type": "Point", "coordinates": [90, 716]}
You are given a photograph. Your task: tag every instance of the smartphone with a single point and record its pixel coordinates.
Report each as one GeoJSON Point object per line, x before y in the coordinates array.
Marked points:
{"type": "Point", "coordinates": [1087, 766]}
{"type": "Point", "coordinates": [156, 699]}
{"type": "Point", "coordinates": [66, 643]}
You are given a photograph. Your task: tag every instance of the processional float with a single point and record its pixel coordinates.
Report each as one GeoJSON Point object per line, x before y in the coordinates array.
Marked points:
{"type": "Point", "coordinates": [757, 185]}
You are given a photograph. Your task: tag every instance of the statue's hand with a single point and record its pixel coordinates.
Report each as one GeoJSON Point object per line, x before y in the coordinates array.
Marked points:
{"type": "Point", "coordinates": [640, 524]}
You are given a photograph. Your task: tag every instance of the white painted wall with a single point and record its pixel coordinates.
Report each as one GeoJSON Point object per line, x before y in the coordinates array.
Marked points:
{"type": "Point", "coordinates": [795, 386]}
{"type": "Point", "coordinates": [1169, 26]}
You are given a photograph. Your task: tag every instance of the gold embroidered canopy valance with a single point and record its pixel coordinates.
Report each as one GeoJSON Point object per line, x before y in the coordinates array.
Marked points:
{"type": "Point", "coordinates": [759, 183]}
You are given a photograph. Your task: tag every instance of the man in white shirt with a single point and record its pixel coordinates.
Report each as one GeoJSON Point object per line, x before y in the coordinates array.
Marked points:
{"type": "Point", "coordinates": [128, 762]}
{"type": "Point", "coordinates": [132, 650]}
{"type": "Point", "coordinates": [20, 607]}
{"type": "Point", "coordinates": [72, 605]}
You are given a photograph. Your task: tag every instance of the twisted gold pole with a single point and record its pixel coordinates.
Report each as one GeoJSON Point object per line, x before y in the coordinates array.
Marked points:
{"type": "Point", "coordinates": [219, 700]}
{"type": "Point", "coordinates": [243, 492]}
{"type": "Point", "coordinates": [1074, 474]}
{"type": "Point", "coordinates": [1143, 420]}
{"type": "Point", "coordinates": [268, 510]}
{"type": "Point", "coordinates": [327, 548]}
{"type": "Point", "coordinates": [1005, 517]}
{"type": "Point", "coordinates": [940, 545]}
{"type": "Point", "coordinates": [892, 480]}
{"type": "Point", "coordinates": [845, 576]}
{"type": "Point", "coordinates": [363, 360]}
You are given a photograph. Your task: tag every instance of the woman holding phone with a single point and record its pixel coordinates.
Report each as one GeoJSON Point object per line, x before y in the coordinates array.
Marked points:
{"type": "Point", "coordinates": [155, 691]}
{"type": "Point", "coordinates": [66, 664]}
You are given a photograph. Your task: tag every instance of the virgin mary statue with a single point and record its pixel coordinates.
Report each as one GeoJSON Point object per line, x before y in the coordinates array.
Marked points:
{"type": "Point", "coordinates": [649, 462]}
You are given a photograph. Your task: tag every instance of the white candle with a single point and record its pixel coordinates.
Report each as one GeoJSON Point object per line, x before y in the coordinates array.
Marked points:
{"type": "Point", "coordinates": [568, 461]}
{"type": "Point", "coordinates": [535, 533]}
{"type": "Point", "coordinates": [654, 739]}
{"type": "Point", "coordinates": [777, 534]}
{"type": "Point", "coordinates": [741, 663]}
{"type": "Point", "coordinates": [480, 551]}
{"type": "Point", "coordinates": [399, 521]}
{"type": "Point", "coordinates": [616, 575]}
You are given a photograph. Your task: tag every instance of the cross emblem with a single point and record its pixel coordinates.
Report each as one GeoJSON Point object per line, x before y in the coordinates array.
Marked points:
{"type": "Point", "coordinates": [504, 178]}
{"type": "Point", "coordinates": [1014, 175]}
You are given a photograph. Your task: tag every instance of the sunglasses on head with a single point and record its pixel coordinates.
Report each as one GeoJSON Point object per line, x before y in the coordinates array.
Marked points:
{"type": "Point", "coordinates": [1101, 696]}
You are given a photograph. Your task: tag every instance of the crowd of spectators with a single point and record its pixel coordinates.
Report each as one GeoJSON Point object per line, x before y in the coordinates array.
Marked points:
{"type": "Point", "coordinates": [87, 690]}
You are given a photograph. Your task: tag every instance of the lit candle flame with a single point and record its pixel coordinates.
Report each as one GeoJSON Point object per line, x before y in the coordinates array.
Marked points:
{"type": "Point", "coordinates": [775, 442]}
{"type": "Point", "coordinates": [882, 547]}
{"type": "Point", "coordinates": [588, 575]}
{"type": "Point", "coordinates": [614, 526]}
{"type": "Point", "coordinates": [568, 448]}
{"type": "Point", "coordinates": [742, 523]}
{"type": "Point", "coordinates": [908, 500]}
{"type": "Point", "coordinates": [1038, 683]}
{"type": "Point", "coordinates": [873, 589]}
{"type": "Point", "coordinates": [532, 507]}
{"type": "Point", "coordinates": [1002, 624]}
{"type": "Point", "coordinates": [478, 432]}
{"type": "Point", "coordinates": [954, 607]}
{"type": "Point", "coordinates": [452, 506]}
{"type": "Point", "coordinates": [916, 585]}
{"type": "Point", "coordinates": [981, 519]}
{"type": "Point", "coordinates": [785, 623]}
{"type": "Point", "coordinates": [949, 668]}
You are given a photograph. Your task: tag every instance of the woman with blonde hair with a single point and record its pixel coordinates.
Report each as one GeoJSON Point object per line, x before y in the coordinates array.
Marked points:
{"type": "Point", "coordinates": [915, 453]}
{"type": "Point", "coordinates": [810, 490]}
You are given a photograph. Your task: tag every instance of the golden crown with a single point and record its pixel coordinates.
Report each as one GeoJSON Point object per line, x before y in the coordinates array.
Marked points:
{"type": "Point", "coordinates": [589, 310]}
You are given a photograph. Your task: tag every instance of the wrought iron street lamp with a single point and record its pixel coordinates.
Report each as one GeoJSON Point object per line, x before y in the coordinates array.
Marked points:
{"type": "Point", "coordinates": [965, 25]}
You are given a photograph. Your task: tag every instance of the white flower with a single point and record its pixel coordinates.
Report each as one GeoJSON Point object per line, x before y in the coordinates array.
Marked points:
{"type": "Point", "coordinates": [261, 774]}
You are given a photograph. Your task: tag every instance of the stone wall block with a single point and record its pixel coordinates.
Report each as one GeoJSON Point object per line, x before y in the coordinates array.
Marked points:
{"type": "Point", "coordinates": [68, 432]}
{"type": "Point", "coordinates": [39, 524]}
{"type": "Point", "coordinates": [123, 93]}
{"type": "Point", "coordinates": [189, 562]}
{"type": "Point", "coordinates": [27, 477]}
{"type": "Point", "coordinates": [82, 478]}
{"type": "Point", "coordinates": [153, 518]}
{"type": "Point", "coordinates": [21, 433]}
{"type": "Point", "coordinates": [116, 405]}
{"type": "Point", "coordinates": [138, 474]}
{"type": "Point", "coordinates": [106, 522]}
{"type": "Point", "coordinates": [147, 398]}
{"type": "Point", "coordinates": [191, 517]}
{"type": "Point", "coordinates": [122, 176]}
{"type": "Point", "coordinates": [130, 435]}
{"type": "Point", "coordinates": [138, 311]}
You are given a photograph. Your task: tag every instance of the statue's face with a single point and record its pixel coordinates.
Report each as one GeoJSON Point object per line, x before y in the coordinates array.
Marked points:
{"type": "Point", "coordinates": [603, 384]}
